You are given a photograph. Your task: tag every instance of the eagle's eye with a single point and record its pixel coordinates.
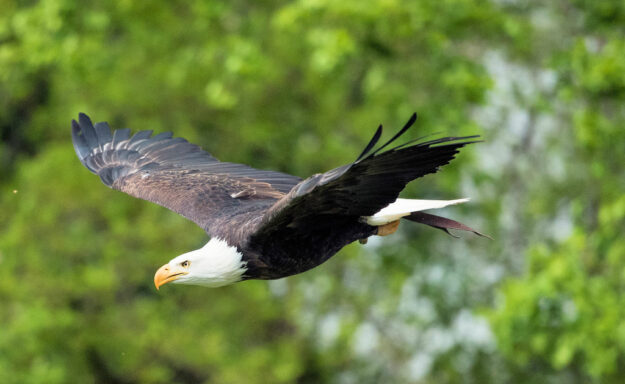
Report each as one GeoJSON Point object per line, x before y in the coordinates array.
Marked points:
{"type": "Point", "coordinates": [185, 264]}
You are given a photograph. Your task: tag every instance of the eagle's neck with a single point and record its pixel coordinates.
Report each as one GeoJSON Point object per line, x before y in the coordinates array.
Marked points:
{"type": "Point", "coordinates": [216, 264]}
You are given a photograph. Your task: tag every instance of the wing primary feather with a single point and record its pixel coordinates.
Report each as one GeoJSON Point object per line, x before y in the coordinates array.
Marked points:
{"type": "Point", "coordinates": [448, 139]}
{"type": "Point", "coordinates": [163, 136]}
{"type": "Point", "coordinates": [103, 132]}
{"type": "Point", "coordinates": [157, 145]}
{"type": "Point", "coordinates": [433, 143]}
{"type": "Point", "coordinates": [138, 137]}
{"type": "Point", "coordinates": [374, 140]}
{"type": "Point", "coordinates": [86, 127]}
{"type": "Point", "coordinates": [118, 136]}
{"type": "Point", "coordinates": [408, 124]}
{"type": "Point", "coordinates": [400, 146]}
{"type": "Point", "coordinates": [80, 144]}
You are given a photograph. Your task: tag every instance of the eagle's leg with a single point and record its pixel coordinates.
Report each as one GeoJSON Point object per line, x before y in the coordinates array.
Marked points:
{"type": "Point", "coordinates": [388, 229]}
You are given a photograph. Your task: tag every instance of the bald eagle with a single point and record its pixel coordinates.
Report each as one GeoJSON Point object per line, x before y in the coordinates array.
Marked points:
{"type": "Point", "coordinates": [266, 224]}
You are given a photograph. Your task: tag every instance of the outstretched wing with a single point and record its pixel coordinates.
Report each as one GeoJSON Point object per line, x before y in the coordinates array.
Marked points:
{"type": "Point", "coordinates": [363, 187]}
{"type": "Point", "coordinates": [175, 173]}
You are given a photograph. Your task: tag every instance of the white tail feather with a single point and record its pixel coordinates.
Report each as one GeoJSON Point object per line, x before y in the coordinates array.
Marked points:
{"type": "Point", "coordinates": [404, 207]}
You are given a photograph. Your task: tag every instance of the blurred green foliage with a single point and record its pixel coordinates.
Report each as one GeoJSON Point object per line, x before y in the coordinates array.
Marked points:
{"type": "Point", "coordinates": [299, 87]}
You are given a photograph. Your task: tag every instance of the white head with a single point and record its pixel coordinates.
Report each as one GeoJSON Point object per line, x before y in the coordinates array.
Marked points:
{"type": "Point", "coordinates": [214, 265]}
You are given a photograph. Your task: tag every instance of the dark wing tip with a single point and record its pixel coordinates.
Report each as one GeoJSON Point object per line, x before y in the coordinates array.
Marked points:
{"type": "Point", "coordinates": [455, 138]}
{"type": "Point", "coordinates": [372, 143]}
{"type": "Point", "coordinates": [412, 119]}
{"type": "Point", "coordinates": [78, 140]}
{"type": "Point", "coordinates": [88, 131]}
{"type": "Point", "coordinates": [103, 133]}
{"type": "Point", "coordinates": [85, 121]}
{"type": "Point", "coordinates": [406, 126]}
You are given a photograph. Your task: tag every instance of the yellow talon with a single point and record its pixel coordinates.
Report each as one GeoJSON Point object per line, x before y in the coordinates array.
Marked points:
{"type": "Point", "coordinates": [388, 229]}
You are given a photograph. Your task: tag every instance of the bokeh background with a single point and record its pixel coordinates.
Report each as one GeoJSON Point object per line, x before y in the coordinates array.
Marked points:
{"type": "Point", "coordinates": [300, 86]}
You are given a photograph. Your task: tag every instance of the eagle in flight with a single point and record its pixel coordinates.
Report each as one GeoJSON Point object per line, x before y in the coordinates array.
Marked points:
{"type": "Point", "coordinates": [266, 224]}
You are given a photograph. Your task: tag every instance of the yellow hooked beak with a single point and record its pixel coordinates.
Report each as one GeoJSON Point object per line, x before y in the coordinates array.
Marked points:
{"type": "Point", "coordinates": [165, 274]}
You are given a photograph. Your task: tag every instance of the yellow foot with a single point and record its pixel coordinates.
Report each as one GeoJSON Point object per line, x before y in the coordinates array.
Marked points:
{"type": "Point", "coordinates": [388, 229]}
{"type": "Point", "coordinates": [363, 241]}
